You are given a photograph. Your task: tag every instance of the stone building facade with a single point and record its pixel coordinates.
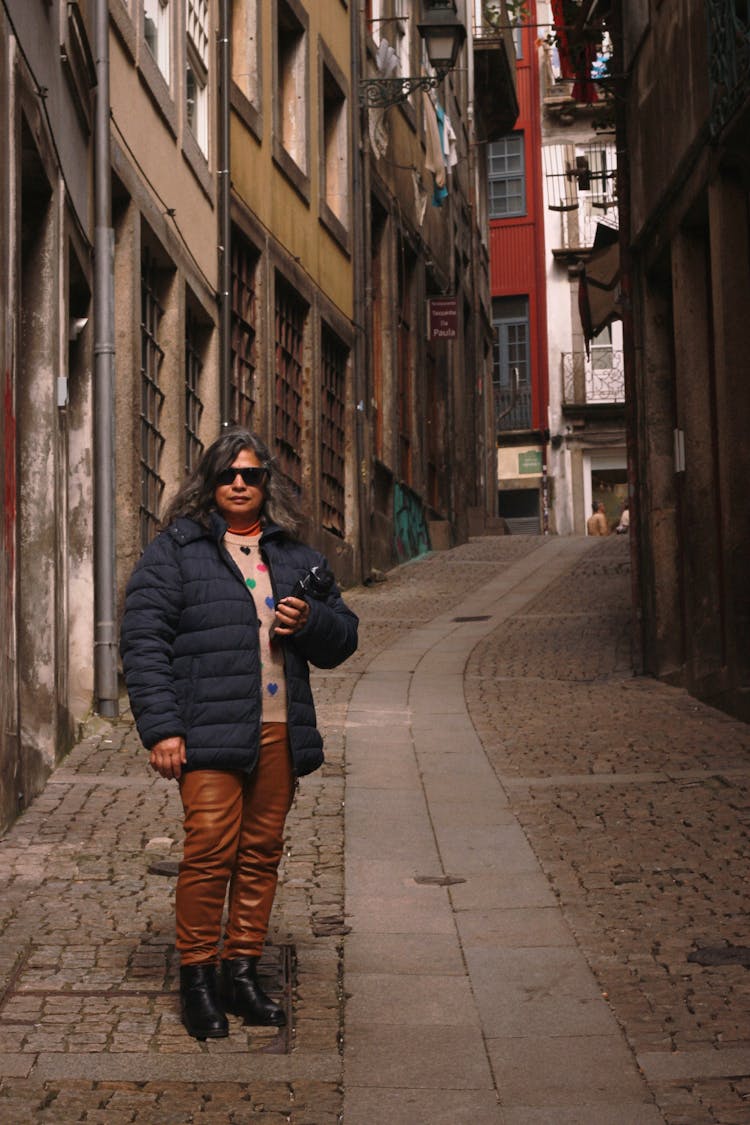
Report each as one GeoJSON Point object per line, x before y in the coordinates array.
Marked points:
{"type": "Point", "coordinates": [272, 246]}
{"type": "Point", "coordinates": [46, 238]}
{"type": "Point", "coordinates": [684, 203]}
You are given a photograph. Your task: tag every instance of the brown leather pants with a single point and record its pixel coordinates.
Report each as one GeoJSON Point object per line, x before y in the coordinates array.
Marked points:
{"type": "Point", "coordinates": [234, 834]}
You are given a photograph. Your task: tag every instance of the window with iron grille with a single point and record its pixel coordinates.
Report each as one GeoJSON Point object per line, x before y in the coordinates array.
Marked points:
{"type": "Point", "coordinates": [291, 311]}
{"type": "Point", "coordinates": [511, 363]}
{"type": "Point", "coordinates": [405, 361]}
{"type": "Point", "coordinates": [244, 266]}
{"type": "Point", "coordinates": [434, 433]}
{"type": "Point", "coordinates": [379, 312]}
{"type": "Point", "coordinates": [194, 332]}
{"type": "Point", "coordinates": [334, 357]}
{"type": "Point", "coordinates": [152, 397]}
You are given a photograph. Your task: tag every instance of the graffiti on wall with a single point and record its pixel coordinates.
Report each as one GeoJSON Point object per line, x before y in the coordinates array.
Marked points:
{"type": "Point", "coordinates": [409, 524]}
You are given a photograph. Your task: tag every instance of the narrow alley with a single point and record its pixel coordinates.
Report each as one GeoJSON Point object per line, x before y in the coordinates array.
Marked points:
{"type": "Point", "coordinates": [515, 894]}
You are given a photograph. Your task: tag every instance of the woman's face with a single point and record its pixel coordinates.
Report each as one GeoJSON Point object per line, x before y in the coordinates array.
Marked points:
{"type": "Point", "coordinates": [239, 503]}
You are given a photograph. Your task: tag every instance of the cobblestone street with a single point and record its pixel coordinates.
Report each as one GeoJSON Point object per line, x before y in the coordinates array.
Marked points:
{"type": "Point", "coordinates": [632, 796]}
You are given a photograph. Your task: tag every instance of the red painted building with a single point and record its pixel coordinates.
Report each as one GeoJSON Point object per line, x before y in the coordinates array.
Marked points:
{"type": "Point", "coordinates": [518, 285]}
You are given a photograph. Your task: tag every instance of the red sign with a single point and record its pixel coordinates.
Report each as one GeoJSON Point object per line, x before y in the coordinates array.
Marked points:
{"type": "Point", "coordinates": [443, 318]}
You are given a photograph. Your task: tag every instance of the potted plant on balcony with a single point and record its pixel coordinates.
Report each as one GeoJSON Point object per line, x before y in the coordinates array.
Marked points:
{"type": "Point", "coordinates": [495, 19]}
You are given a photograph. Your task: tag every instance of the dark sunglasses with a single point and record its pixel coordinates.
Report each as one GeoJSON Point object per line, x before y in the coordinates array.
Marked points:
{"type": "Point", "coordinates": [253, 475]}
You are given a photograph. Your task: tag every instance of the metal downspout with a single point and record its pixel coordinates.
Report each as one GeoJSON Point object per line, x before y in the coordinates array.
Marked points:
{"type": "Point", "coordinates": [361, 204]}
{"type": "Point", "coordinates": [106, 689]}
{"type": "Point", "coordinates": [225, 217]}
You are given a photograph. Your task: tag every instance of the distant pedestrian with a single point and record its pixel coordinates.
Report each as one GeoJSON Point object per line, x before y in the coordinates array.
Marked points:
{"type": "Point", "coordinates": [597, 521]}
{"type": "Point", "coordinates": [223, 612]}
{"type": "Point", "coordinates": [624, 525]}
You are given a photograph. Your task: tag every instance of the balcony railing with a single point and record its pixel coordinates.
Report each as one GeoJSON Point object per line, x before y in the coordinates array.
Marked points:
{"type": "Point", "coordinates": [578, 227]}
{"type": "Point", "coordinates": [580, 184]}
{"type": "Point", "coordinates": [593, 380]}
{"type": "Point", "coordinates": [495, 91]}
{"type": "Point", "coordinates": [512, 412]}
{"type": "Point", "coordinates": [729, 40]}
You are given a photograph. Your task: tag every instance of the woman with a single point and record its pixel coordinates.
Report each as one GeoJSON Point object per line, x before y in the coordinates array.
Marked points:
{"type": "Point", "coordinates": [215, 651]}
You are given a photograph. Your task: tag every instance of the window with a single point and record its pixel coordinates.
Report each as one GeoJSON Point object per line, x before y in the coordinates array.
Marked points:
{"type": "Point", "coordinates": [373, 18]}
{"type": "Point", "coordinates": [406, 330]}
{"type": "Point", "coordinates": [601, 350]}
{"type": "Point", "coordinates": [196, 71]}
{"type": "Point", "coordinates": [156, 20]}
{"type": "Point", "coordinates": [335, 153]}
{"type": "Point", "coordinates": [507, 177]}
{"type": "Point", "coordinates": [291, 313]}
{"type": "Point", "coordinates": [334, 358]}
{"type": "Point", "coordinates": [402, 29]}
{"type": "Point", "coordinates": [380, 315]}
{"type": "Point", "coordinates": [246, 50]}
{"type": "Point", "coordinates": [511, 376]}
{"type": "Point", "coordinates": [291, 89]}
{"type": "Point", "coordinates": [195, 338]}
{"type": "Point", "coordinates": [517, 22]}
{"type": "Point", "coordinates": [152, 398]}
{"type": "Point", "coordinates": [244, 312]}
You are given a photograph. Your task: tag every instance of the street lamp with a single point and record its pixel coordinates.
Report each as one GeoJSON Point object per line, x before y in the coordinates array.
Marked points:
{"type": "Point", "coordinates": [444, 35]}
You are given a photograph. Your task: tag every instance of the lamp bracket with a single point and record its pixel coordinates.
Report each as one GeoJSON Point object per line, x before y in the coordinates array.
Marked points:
{"type": "Point", "coordinates": [378, 93]}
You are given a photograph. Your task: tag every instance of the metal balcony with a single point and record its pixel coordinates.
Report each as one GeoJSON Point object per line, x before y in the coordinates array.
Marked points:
{"type": "Point", "coordinates": [495, 93]}
{"type": "Point", "coordinates": [598, 380]}
{"type": "Point", "coordinates": [729, 45]}
{"type": "Point", "coordinates": [512, 411]}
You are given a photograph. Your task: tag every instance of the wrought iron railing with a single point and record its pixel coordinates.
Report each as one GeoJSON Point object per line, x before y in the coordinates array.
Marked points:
{"type": "Point", "coordinates": [597, 379]}
{"type": "Point", "coordinates": [729, 59]}
{"type": "Point", "coordinates": [512, 410]}
{"type": "Point", "coordinates": [580, 182]}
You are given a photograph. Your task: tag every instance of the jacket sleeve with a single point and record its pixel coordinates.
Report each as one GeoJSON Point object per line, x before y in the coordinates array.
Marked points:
{"type": "Point", "coordinates": [330, 635]}
{"type": "Point", "coordinates": [153, 603]}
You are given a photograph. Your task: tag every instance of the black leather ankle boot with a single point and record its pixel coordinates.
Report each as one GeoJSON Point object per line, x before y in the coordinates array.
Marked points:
{"type": "Point", "coordinates": [242, 995]}
{"type": "Point", "coordinates": [201, 1013]}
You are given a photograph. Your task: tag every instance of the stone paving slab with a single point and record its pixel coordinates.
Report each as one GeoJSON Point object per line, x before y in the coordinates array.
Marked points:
{"type": "Point", "coordinates": [510, 999]}
{"type": "Point", "coordinates": [571, 1071]}
{"type": "Point", "coordinates": [627, 1113]}
{"type": "Point", "coordinates": [438, 1107]}
{"type": "Point", "coordinates": [237, 1066]}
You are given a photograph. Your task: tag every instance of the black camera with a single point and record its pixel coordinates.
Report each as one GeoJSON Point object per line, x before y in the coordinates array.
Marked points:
{"type": "Point", "coordinates": [317, 583]}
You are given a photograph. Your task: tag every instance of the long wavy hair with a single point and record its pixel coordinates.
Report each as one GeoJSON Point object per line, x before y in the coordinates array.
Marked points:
{"type": "Point", "coordinates": [195, 497]}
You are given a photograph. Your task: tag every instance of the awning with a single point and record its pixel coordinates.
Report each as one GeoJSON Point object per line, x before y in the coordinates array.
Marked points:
{"type": "Point", "coordinates": [599, 284]}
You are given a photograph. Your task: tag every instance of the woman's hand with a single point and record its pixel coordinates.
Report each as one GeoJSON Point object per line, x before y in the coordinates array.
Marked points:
{"type": "Point", "coordinates": [291, 616]}
{"type": "Point", "coordinates": [168, 757]}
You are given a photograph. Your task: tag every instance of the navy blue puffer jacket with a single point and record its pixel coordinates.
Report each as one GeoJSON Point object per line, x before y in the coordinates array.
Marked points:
{"type": "Point", "coordinates": [189, 645]}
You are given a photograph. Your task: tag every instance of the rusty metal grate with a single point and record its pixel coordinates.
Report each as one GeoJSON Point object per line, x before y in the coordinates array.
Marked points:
{"type": "Point", "coordinates": [277, 971]}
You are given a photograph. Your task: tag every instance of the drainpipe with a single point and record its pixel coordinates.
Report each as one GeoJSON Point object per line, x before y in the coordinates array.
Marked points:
{"type": "Point", "coordinates": [225, 217]}
{"type": "Point", "coordinates": [360, 358]}
{"type": "Point", "coordinates": [106, 689]}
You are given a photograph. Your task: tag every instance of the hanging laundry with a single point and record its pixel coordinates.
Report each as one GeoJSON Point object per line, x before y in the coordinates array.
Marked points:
{"type": "Point", "coordinates": [434, 161]}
